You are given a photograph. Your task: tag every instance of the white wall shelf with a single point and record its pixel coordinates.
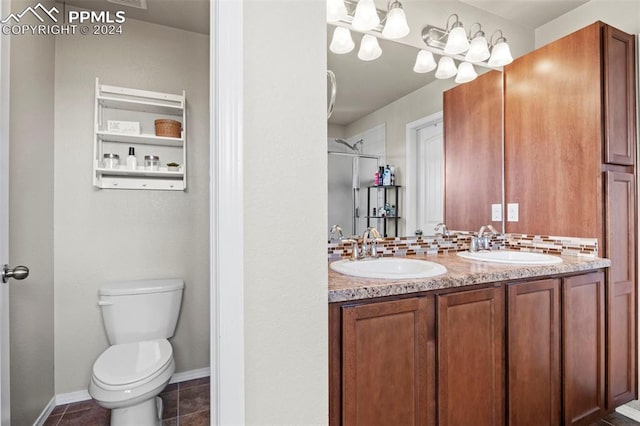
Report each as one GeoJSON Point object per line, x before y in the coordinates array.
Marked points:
{"type": "Point", "coordinates": [144, 107]}
{"type": "Point", "coordinates": [142, 139]}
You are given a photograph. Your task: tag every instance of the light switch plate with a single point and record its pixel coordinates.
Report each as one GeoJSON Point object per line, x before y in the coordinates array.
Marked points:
{"type": "Point", "coordinates": [512, 212]}
{"type": "Point", "coordinates": [496, 212]}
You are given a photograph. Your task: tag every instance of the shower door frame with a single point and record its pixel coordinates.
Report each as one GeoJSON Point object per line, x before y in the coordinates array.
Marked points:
{"type": "Point", "coordinates": [353, 155]}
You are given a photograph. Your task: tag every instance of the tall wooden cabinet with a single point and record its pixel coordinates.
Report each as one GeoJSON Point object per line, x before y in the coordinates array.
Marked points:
{"type": "Point", "coordinates": [570, 136]}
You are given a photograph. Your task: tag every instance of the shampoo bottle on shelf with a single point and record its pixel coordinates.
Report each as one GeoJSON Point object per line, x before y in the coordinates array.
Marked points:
{"type": "Point", "coordinates": [386, 177]}
{"type": "Point", "coordinates": [131, 159]}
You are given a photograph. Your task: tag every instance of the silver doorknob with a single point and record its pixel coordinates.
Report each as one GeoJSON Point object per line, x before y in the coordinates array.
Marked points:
{"type": "Point", "coordinates": [18, 273]}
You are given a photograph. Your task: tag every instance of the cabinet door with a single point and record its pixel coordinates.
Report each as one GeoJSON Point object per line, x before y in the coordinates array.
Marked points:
{"type": "Point", "coordinates": [621, 288]}
{"type": "Point", "coordinates": [619, 96]}
{"type": "Point", "coordinates": [471, 358]}
{"type": "Point", "coordinates": [533, 348]}
{"type": "Point", "coordinates": [583, 347]}
{"type": "Point", "coordinates": [388, 363]}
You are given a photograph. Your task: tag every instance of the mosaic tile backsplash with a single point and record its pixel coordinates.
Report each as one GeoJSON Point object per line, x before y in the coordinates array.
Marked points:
{"type": "Point", "coordinates": [459, 241]}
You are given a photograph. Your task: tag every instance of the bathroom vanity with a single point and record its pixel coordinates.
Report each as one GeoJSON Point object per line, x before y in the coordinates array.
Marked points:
{"type": "Point", "coordinates": [483, 344]}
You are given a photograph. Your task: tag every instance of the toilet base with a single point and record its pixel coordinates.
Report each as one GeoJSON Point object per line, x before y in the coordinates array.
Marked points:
{"type": "Point", "coordinates": [147, 413]}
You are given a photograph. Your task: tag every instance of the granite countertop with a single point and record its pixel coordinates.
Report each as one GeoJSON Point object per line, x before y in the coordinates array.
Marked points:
{"type": "Point", "coordinates": [460, 272]}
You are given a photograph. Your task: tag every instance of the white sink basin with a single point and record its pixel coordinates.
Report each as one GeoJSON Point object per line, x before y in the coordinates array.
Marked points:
{"type": "Point", "coordinates": [513, 257]}
{"type": "Point", "coordinates": [395, 268]}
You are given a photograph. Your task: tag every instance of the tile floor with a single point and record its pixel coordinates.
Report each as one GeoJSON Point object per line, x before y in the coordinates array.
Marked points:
{"type": "Point", "coordinates": [184, 404]}
{"type": "Point", "coordinates": [615, 419]}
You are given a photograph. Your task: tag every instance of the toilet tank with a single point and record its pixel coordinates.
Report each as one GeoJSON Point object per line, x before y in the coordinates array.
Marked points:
{"type": "Point", "coordinates": [134, 311]}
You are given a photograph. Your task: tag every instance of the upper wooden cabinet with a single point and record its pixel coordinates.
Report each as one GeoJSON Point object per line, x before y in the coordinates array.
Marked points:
{"type": "Point", "coordinates": [569, 108]}
{"type": "Point", "coordinates": [473, 151]}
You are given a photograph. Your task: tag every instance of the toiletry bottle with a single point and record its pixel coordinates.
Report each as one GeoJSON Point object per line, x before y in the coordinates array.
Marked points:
{"type": "Point", "coordinates": [386, 177]}
{"type": "Point", "coordinates": [393, 175]}
{"type": "Point", "coordinates": [376, 179]}
{"type": "Point", "coordinates": [132, 163]}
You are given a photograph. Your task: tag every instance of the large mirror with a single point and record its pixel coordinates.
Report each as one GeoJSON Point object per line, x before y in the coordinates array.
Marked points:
{"type": "Point", "coordinates": [386, 114]}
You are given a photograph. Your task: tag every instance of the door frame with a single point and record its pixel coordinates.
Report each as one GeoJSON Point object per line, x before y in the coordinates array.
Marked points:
{"type": "Point", "coordinates": [226, 213]}
{"type": "Point", "coordinates": [411, 140]}
{"type": "Point", "coordinates": [5, 407]}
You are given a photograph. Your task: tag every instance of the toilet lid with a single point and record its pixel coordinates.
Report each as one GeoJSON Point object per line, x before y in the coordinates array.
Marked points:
{"type": "Point", "coordinates": [132, 362]}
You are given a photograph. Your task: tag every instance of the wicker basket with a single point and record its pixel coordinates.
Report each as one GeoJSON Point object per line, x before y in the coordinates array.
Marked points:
{"type": "Point", "coordinates": [168, 128]}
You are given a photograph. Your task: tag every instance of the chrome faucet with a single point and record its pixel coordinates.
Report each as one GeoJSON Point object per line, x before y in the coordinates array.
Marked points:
{"type": "Point", "coordinates": [482, 241]}
{"type": "Point", "coordinates": [337, 230]}
{"type": "Point", "coordinates": [445, 230]}
{"type": "Point", "coordinates": [370, 238]}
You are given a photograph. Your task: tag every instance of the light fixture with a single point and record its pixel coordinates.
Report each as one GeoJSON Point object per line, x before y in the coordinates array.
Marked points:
{"type": "Point", "coordinates": [424, 62]}
{"type": "Point", "coordinates": [366, 16]}
{"type": "Point", "coordinates": [341, 42]}
{"type": "Point", "coordinates": [336, 10]}
{"type": "Point", "coordinates": [478, 50]}
{"type": "Point", "coordinates": [396, 24]}
{"type": "Point", "coordinates": [446, 68]}
{"type": "Point", "coordinates": [500, 53]}
{"type": "Point", "coordinates": [369, 48]}
{"type": "Point", "coordinates": [457, 39]}
{"type": "Point", "coordinates": [466, 73]}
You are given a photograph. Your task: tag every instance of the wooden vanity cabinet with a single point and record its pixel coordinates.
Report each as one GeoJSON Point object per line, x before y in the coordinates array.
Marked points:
{"type": "Point", "coordinates": [471, 364]}
{"type": "Point", "coordinates": [521, 354]}
{"type": "Point", "coordinates": [387, 363]}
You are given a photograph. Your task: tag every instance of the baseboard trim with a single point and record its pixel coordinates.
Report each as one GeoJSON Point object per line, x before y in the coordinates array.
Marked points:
{"type": "Point", "coordinates": [629, 412]}
{"type": "Point", "coordinates": [190, 375]}
{"type": "Point", "coordinates": [45, 413]}
{"type": "Point", "coordinates": [83, 395]}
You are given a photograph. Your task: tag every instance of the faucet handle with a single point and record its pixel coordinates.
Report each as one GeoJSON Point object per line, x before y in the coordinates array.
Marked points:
{"type": "Point", "coordinates": [355, 254]}
{"type": "Point", "coordinates": [336, 229]}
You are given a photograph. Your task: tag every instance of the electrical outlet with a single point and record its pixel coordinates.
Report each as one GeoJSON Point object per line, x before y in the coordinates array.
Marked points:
{"type": "Point", "coordinates": [496, 212]}
{"type": "Point", "coordinates": [512, 212]}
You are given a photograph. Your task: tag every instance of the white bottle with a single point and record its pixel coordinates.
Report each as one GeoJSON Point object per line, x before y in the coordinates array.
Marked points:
{"type": "Point", "coordinates": [386, 177]}
{"type": "Point", "coordinates": [132, 163]}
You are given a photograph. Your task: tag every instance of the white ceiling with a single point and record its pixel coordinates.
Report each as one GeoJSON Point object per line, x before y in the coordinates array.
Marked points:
{"type": "Point", "coordinates": [527, 13]}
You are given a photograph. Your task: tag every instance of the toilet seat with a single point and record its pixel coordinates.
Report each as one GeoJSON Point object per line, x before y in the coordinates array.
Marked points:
{"type": "Point", "coordinates": [132, 364]}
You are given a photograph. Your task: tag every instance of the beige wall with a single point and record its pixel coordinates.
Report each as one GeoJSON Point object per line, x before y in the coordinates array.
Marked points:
{"type": "Point", "coordinates": [285, 212]}
{"type": "Point", "coordinates": [106, 235]}
{"type": "Point", "coordinates": [624, 15]}
{"type": "Point", "coordinates": [336, 131]}
{"type": "Point", "coordinates": [31, 222]}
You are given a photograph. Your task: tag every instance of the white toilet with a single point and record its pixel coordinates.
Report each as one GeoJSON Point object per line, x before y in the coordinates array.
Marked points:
{"type": "Point", "coordinates": [139, 317]}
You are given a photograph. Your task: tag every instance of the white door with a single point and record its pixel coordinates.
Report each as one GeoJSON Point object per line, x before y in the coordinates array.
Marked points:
{"type": "Point", "coordinates": [430, 178]}
{"type": "Point", "coordinates": [424, 203]}
{"type": "Point", "coordinates": [4, 221]}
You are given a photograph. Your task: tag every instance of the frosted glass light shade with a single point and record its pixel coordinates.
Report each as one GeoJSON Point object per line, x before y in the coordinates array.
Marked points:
{"type": "Point", "coordinates": [457, 41]}
{"type": "Point", "coordinates": [369, 48]}
{"type": "Point", "coordinates": [500, 55]}
{"type": "Point", "coordinates": [466, 73]}
{"type": "Point", "coordinates": [341, 42]}
{"type": "Point", "coordinates": [478, 50]}
{"type": "Point", "coordinates": [396, 26]}
{"type": "Point", "coordinates": [446, 68]}
{"type": "Point", "coordinates": [424, 62]}
{"type": "Point", "coordinates": [366, 17]}
{"type": "Point", "coordinates": [336, 10]}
